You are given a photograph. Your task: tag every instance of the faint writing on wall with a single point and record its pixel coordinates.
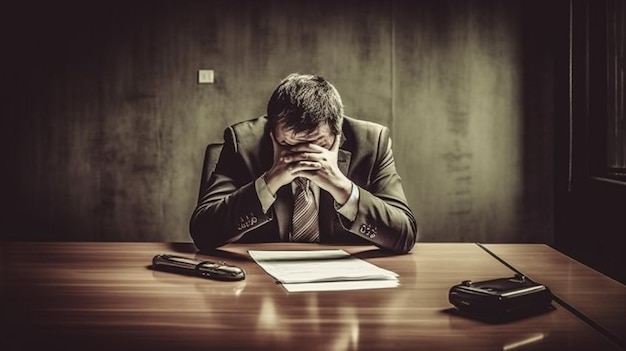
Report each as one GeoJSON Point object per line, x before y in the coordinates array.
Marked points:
{"type": "Point", "coordinates": [458, 164]}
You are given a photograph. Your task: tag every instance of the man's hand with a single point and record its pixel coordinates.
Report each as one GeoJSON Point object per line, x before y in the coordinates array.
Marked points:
{"type": "Point", "coordinates": [320, 166]}
{"type": "Point", "coordinates": [285, 168]}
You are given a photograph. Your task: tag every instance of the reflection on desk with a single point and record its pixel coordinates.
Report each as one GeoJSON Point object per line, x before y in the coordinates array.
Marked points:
{"type": "Point", "coordinates": [589, 292]}
{"type": "Point", "coordinates": [104, 296]}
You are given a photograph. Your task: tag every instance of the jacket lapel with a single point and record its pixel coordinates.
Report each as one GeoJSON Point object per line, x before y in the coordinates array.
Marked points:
{"type": "Point", "coordinates": [343, 156]}
{"type": "Point", "coordinates": [327, 216]}
{"type": "Point", "coordinates": [343, 160]}
{"type": "Point", "coordinates": [283, 207]}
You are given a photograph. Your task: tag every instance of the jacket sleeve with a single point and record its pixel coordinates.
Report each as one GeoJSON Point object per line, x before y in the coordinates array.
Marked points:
{"type": "Point", "coordinates": [229, 208]}
{"type": "Point", "coordinates": [384, 217]}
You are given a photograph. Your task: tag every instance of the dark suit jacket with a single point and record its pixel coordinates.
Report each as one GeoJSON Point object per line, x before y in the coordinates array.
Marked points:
{"type": "Point", "coordinates": [229, 209]}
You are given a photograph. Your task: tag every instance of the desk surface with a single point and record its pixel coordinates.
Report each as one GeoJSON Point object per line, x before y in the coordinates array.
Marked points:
{"type": "Point", "coordinates": [104, 296]}
{"type": "Point", "coordinates": [593, 294]}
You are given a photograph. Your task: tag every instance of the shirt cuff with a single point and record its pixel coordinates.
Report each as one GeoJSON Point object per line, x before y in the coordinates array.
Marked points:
{"type": "Point", "coordinates": [264, 194]}
{"type": "Point", "coordinates": [351, 207]}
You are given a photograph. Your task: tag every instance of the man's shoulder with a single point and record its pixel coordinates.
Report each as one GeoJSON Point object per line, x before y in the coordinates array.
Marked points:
{"type": "Point", "coordinates": [248, 135]}
{"type": "Point", "coordinates": [257, 126]}
{"type": "Point", "coordinates": [365, 131]}
{"type": "Point", "coordinates": [253, 126]}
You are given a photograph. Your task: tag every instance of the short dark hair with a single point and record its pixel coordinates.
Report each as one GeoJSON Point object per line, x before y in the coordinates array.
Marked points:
{"type": "Point", "coordinates": [303, 102]}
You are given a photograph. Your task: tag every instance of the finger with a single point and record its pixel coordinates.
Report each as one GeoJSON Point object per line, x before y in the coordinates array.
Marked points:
{"type": "Point", "coordinates": [312, 175]}
{"type": "Point", "coordinates": [316, 148]}
{"type": "Point", "coordinates": [285, 152]}
{"type": "Point", "coordinates": [304, 156]}
{"type": "Point", "coordinates": [300, 156]}
{"type": "Point", "coordinates": [304, 166]}
{"type": "Point", "coordinates": [306, 147]}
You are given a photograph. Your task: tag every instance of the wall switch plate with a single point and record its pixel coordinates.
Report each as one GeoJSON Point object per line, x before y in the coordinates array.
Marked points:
{"type": "Point", "coordinates": [205, 76]}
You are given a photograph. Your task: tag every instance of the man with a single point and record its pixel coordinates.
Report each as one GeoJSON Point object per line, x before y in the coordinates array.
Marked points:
{"type": "Point", "coordinates": [305, 172]}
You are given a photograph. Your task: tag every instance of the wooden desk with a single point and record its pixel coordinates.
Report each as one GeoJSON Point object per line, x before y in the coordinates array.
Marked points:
{"type": "Point", "coordinates": [596, 296]}
{"type": "Point", "coordinates": [103, 296]}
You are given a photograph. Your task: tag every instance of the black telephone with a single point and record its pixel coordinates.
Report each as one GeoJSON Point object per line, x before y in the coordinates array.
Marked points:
{"type": "Point", "coordinates": [502, 298]}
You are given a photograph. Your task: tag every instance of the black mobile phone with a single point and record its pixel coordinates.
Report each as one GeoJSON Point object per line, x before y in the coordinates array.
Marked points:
{"type": "Point", "coordinates": [205, 269]}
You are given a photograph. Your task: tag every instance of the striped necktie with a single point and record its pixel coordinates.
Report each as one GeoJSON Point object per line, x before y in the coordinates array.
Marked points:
{"type": "Point", "coordinates": [305, 217]}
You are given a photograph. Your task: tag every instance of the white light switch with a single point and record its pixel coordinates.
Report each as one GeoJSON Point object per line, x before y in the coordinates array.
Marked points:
{"type": "Point", "coordinates": [205, 76]}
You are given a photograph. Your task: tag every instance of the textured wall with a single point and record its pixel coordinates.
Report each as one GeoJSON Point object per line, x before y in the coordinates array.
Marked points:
{"type": "Point", "coordinates": [107, 125]}
{"type": "Point", "coordinates": [472, 118]}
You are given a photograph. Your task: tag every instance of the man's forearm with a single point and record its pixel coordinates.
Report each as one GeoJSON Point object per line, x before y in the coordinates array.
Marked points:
{"type": "Point", "coordinates": [391, 227]}
{"type": "Point", "coordinates": [218, 221]}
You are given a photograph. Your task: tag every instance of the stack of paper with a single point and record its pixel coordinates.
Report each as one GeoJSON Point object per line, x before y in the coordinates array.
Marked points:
{"type": "Point", "coordinates": [323, 270]}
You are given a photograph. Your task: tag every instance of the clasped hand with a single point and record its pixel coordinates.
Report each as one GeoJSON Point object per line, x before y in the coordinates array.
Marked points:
{"type": "Point", "coordinates": [309, 161]}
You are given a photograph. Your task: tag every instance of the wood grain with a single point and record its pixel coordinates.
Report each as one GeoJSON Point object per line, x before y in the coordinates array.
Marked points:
{"type": "Point", "coordinates": [593, 294]}
{"type": "Point", "coordinates": [104, 296]}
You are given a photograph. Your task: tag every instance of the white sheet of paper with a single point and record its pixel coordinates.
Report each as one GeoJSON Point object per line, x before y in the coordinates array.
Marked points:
{"type": "Point", "coordinates": [338, 286]}
{"type": "Point", "coordinates": [323, 266]}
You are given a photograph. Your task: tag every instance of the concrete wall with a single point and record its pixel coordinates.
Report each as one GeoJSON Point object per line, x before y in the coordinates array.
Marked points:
{"type": "Point", "coordinates": [105, 124]}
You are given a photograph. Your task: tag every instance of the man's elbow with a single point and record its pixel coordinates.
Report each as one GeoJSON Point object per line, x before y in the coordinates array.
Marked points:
{"type": "Point", "coordinates": [200, 233]}
{"type": "Point", "coordinates": [410, 237]}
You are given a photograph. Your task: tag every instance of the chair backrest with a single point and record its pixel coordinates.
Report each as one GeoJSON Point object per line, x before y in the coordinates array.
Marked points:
{"type": "Point", "coordinates": [211, 155]}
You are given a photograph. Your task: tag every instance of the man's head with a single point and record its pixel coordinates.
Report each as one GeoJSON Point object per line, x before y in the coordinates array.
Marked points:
{"type": "Point", "coordinates": [305, 108]}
